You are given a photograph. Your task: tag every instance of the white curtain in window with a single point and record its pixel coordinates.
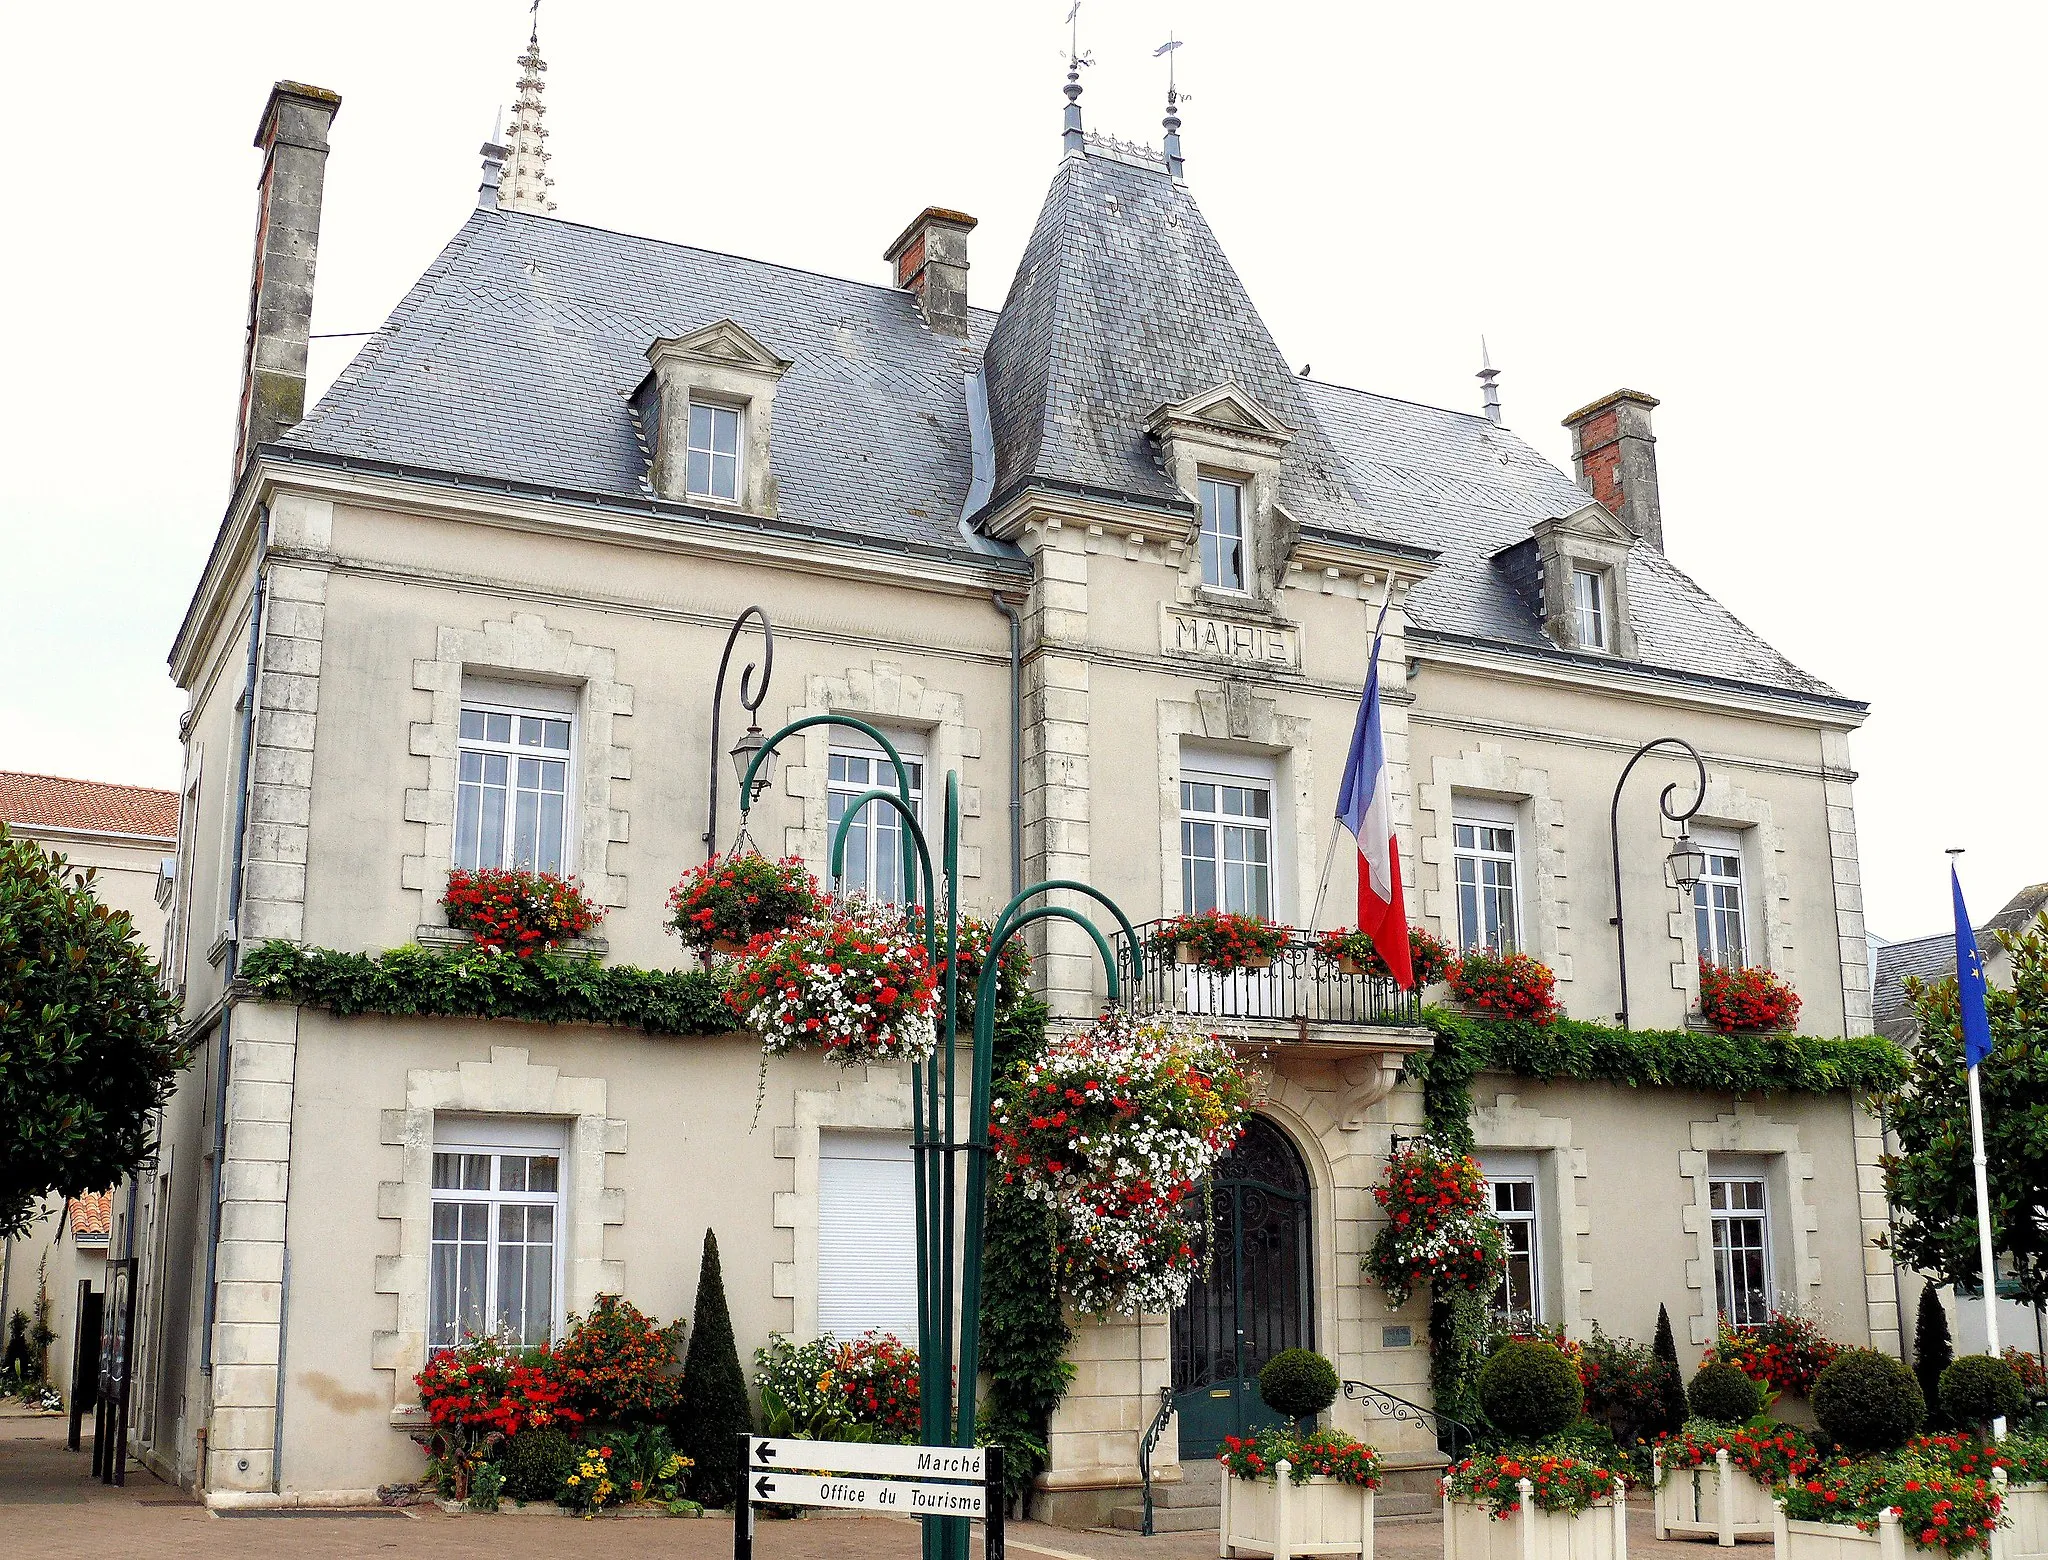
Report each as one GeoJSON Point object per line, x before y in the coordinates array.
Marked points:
{"type": "Point", "coordinates": [867, 1235]}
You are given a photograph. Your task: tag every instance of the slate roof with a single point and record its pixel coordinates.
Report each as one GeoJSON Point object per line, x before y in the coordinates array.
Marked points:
{"type": "Point", "coordinates": [1934, 958]}
{"type": "Point", "coordinates": [52, 802]}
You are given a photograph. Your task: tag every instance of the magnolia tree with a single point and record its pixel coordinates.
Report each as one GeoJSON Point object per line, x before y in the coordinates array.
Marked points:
{"type": "Point", "coordinates": [1931, 1179]}
{"type": "Point", "coordinates": [87, 1053]}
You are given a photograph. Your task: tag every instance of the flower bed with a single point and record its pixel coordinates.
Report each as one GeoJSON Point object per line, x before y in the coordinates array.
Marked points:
{"type": "Point", "coordinates": [1934, 1507]}
{"type": "Point", "coordinates": [517, 912]}
{"type": "Point", "coordinates": [856, 983]}
{"type": "Point", "coordinates": [722, 905]}
{"type": "Point", "coordinates": [1745, 998]}
{"type": "Point", "coordinates": [1289, 1494]}
{"type": "Point", "coordinates": [2018, 1470]}
{"type": "Point", "coordinates": [1510, 1507]}
{"type": "Point", "coordinates": [1219, 940]}
{"type": "Point", "coordinates": [1440, 1228]}
{"type": "Point", "coordinates": [1429, 959]}
{"type": "Point", "coordinates": [1112, 1127]}
{"type": "Point", "coordinates": [1507, 985]}
{"type": "Point", "coordinates": [1787, 1353]}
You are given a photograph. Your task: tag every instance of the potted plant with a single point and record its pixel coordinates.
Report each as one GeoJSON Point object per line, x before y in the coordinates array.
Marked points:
{"type": "Point", "coordinates": [1112, 1128]}
{"type": "Point", "coordinates": [724, 904]}
{"type": "Point", "coordinates": [1877, 1507]}
{"type": "Point", "coordinates": [1745, 998]}
{"type": "Point", "coordinates": [1518, 1505]}
{"type": "Point", "coordinates": [1719, 1482]}
{"type": "Point", "coordinates": [2018, 1470]}
{"type": "Point", "coordinates": [1220, 940]}
{"type": "Point", "coordinates": [1440, 1228]}
{"type": "Point", "coordinates": [1505, 985]}
{"type": "Point", "coordinates": [1353, 953]}
{"type": "Point", "coordinates": [1287, 1492]}
{"type": "Point", "coordinates": [856, 983]}
{"type": "Point", "coordinates": [520, 913]}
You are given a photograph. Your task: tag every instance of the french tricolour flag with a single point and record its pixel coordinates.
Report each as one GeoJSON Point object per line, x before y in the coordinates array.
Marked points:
{"type": "Point", "coordinates": [1365, 806]}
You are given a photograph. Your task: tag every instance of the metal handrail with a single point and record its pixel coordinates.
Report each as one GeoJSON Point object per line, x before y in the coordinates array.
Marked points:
{"type": "Point", "coordinates": [1152, 1435]}
{"type": "Point", "coordinates": [1299, 986]}
{"type": "Point", "coordinates": [1391, 1405]}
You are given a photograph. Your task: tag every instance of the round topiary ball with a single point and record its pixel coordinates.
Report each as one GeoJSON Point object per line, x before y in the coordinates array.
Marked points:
{"type": "Point", "coordinates": [1530, 1390]}
{"type": "Point", "coordinates": [1299, 1383]}
{"type": "Point", "coordinates": [1868, 1402]}
{"type": "Point", "coordinates": [1725, 1394]}
{"type": "Point", "coordinates": [536, 1464]}
{"type": "Point", "coordinates": [1979, 1388]}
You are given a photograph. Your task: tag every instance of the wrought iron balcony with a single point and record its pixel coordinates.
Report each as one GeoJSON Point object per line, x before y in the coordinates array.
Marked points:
{"type": "Point", "coordinates": [1299, 992]}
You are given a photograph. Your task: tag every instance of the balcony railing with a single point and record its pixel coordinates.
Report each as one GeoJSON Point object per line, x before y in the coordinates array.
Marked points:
{"type": "Point", "coordinates": [1298, 989]}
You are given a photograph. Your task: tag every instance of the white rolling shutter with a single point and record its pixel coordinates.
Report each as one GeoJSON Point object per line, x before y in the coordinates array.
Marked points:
{"type": "Point", "coordinates": [867, 1235]}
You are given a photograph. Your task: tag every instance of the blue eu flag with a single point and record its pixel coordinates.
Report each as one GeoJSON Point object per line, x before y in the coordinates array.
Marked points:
{"type": "Point", "coordinates": [1970, 983]}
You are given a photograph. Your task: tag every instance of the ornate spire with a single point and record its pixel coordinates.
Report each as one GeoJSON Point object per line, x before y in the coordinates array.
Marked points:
{"type": "Point", "coordinates": [525, 184]}
{"type": "Point", "coordinates": [1491, 391]}
{"type": "Point", "coordinates": [1176, 168]}
{"type": "Point", "coordinates": [1073, 141]}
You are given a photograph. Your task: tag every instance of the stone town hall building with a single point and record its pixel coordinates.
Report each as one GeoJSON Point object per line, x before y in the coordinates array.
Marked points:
{"type": "Point", "coordinates": [495, 567]}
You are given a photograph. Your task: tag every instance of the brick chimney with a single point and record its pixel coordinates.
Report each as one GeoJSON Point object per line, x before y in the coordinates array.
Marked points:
{"type": "Point", "coordinates": [293, 140]}
{"type": "Point", "coordinates": [930, 259]}
{"type": "Point", "coordinates": [1614, 457]}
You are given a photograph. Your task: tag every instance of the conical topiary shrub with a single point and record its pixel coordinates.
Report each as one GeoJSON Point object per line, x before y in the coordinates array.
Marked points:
{"type": "Point", "coordinates": [1670, 1384]}
{"type": "Point", "coordinates": [712, 1411]}
{"type": "Point", "coordinates": [1933, 1350]}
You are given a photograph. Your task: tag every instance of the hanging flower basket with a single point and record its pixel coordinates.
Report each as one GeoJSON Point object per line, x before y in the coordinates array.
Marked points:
{"type": "Point", "coordinates": [1440, 1228]}
{"type": "Point", "coordinates": [1505, 985]}
{"type": "Point", "coordinates": [855, 983]}
{"type": "Point", "coordinates": [1112, 1128]}
{"type": "Point", "coordinates": [1745, 998]}
{"type": "Point", "coordinates": [1013, 967]}
{"type": "Point", "coordinates": [1353, 953]}
{"type": "Point", "coordinates": [722, 905]}
{"type": "Point", "coordinates": [1220, 940]}
{"type": "Point", "coordinates": [517, 912]}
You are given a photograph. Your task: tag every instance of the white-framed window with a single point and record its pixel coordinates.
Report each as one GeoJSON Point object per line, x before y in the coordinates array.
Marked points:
{"type": "Point", "coordinates": [1222, 533]}
{"type": "Point", "coordinates": [1521, 1281]}
{"type": "Point", "coordinates": [874, 845]}
{"type": "Point", "coordinates": [512, 785]}
{"type": "Point", "coordinates": [867, 1235]}
{"type": "Point", "coordinates": [1741, 1211]}
{"type": "Point", "coordinates": [1589, 603]}
{"type": "Point", "coordinates": [1226, 844]}
{"type": "Point", "coordinates": [1483, 865]}
{"type": "Point", "coordinates": [496, 1232]}
{"type": "Point", "coordinates": [714, 463]}
{"type": "Point", "coordinates": [1718, 901]}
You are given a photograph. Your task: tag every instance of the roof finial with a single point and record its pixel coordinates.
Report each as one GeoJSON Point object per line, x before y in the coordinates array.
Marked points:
{"type": "Point", "coordinates": [1176, 168]}
{"type": "Point", "coordinates": [525, 184]}
{"type": "Point", "coordinates": [1487, 375]}
{"type": "Point", "coordinates": [1072, 141]}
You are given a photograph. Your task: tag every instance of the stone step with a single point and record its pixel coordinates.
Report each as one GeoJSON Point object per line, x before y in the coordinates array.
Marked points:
{"type": "Point", "coordinates": [1166, 1519]}
{"type": "Point", "coordinates": [1403, 1503]}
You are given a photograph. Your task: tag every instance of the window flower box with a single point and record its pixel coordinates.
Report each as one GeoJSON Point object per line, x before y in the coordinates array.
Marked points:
{"type": "Point", "coordinates": [447, 939]}
{"type": "Point", "coordinates": [1716, 1498]}
{"type": "Point", "coordinates": [1797, 1540]}
{"type": "Point", "coordinates": [2023, 1532]}
{"type": "Point", "coordinates": [1353, 953]}
{"type": "Point", "coordinates": [517, 912]}
{"type": "Point", "coordinates": [1277, 1516]}
{"type": "Point", "coordinates": [1746, 998]}
{"type": "Point", "coordinates": [1528, 1532]}
{"type": "Point", "coordinates": [1504, 985]}
{"type": "Point", "coordinates": [1220, 940]}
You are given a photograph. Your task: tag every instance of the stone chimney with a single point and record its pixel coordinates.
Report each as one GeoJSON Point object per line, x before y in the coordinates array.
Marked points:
{"type": "Point", "coordinates": [930, 259]}
{"type": "Point", "coordinates": [1614, 457]}
{"type": "Point", "coordinates": [293, 140]}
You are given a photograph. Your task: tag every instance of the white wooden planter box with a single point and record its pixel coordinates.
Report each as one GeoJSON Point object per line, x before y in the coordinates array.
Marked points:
{"type": "Point", "coordinates": [1721, 1500]}
{"type": "Point", "coordinates": [2022, 1531]}
{"type": "Point", "coordinates": [1837, 1540]}
{"type": "Point", "coordinates": [1600, 1532]}
{"type": "Point", "coordinates": [1280, 1518]}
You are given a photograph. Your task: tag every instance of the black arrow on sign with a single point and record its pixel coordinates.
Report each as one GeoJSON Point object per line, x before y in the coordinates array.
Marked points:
{"type": "Point", "coordinates": [766, 1452]}
{"type": "Point", "coordinates": [764, 1487]}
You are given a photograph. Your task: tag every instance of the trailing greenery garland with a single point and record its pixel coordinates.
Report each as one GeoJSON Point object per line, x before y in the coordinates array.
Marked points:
{"type": "Point", "coordinates": [1711, 1062]}
{"type": "Point", "coordinates": [472, 982]}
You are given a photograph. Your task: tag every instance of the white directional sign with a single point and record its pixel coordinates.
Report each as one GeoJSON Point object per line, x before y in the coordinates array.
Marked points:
{"type": "Point", "coordinates": [902, 1496]}
{"type": "Point", "coordinates": [903, 1462]}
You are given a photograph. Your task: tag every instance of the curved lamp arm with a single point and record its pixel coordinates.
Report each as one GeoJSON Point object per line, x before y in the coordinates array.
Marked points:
{"type": "Point", "coordinates": [1614, 838]}
{"type": "Point", "coordinates": [750, 700]}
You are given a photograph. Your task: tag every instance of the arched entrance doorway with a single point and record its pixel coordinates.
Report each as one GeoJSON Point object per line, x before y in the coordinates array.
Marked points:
{"type": "Point", "coordinates": [1256, 1296]}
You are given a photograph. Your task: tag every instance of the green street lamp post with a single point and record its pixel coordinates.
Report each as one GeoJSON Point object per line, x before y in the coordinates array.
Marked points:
{"type": "Point", "coordinates": [949, 1342]}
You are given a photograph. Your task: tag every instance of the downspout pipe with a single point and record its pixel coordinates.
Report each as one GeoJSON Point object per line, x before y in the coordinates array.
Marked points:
{"type": "Point", "coordinates": [223, 1069]}
{"type": "Point", "coordinates": [1016, 741]}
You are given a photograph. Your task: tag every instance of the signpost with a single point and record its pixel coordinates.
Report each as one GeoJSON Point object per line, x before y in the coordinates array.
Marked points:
{"type": "Point", "coordinates": [904, 1481]}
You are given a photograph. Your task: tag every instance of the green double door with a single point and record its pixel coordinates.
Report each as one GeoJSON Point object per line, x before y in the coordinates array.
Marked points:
{"type": "Point", "coordinates": [1255, 1297]}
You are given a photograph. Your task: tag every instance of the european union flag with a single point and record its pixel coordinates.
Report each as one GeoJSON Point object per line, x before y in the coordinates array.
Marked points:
{"type": "Point", "coordinates": [1970, 983]}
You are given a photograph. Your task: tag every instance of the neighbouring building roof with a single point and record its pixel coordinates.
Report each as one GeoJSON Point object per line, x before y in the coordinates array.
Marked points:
{"type": "Point", "coordinates": [514, 358]}
{"type": "Point", "coordinates": [92, 1218]}
{"type": "Point", "coordinates": [93, 806]}
{"type": "Point", "coordinates": [1934, 957]}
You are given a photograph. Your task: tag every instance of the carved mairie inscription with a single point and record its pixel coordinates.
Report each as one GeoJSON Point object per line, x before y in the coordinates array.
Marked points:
{"type": "Point", "coordinates": [1192, 635]}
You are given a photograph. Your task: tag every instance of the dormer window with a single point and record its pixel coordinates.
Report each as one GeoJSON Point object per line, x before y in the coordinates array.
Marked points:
{"type": "Point", "coordinates": [714, 452]}
{"type": "Point", "coordinates": [1222, 534]}
{"type": "Point", "coordinates": [1589, 602]}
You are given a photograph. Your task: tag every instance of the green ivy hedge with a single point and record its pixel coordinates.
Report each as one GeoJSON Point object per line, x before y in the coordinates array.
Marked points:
{"type": "Point", "coordinates": [472, 982]}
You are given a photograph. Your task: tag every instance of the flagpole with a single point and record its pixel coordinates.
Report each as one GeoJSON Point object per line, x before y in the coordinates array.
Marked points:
{"type": "Point", "coordinates": [1985, 1257]}
{"type": "Point", "coordinates": [1337, 824]}
{"type": "Point", "coordinates": [1976, 1046]}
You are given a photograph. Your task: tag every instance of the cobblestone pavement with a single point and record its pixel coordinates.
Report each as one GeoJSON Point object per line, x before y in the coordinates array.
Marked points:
{"type": "Point", "coordinates": [51, 1508]}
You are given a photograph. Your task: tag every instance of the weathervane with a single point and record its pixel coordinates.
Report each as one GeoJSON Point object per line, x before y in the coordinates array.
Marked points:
{"type": "Point", "coordinates": [1175, 167]}
{"type": "Point", "coordinates": [1071, 138]}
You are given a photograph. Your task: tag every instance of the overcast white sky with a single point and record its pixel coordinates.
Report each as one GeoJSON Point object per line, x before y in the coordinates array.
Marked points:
{"type": "Point", "coordinates": [1813, 230]}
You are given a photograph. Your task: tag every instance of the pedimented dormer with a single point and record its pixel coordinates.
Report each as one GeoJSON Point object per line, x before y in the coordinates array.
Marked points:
{"type": "Point", "coordinates": [1222, 449]}
{"type": "Point", "coordinates": [1574, 570]}
{"type": "Point", "coordinates": [708, 409]}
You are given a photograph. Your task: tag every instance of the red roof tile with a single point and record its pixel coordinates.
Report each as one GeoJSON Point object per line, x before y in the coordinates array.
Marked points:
{"type": "Point", "coordinates": [49, 802]}
{"type": "Point", "coordinates": [92, 1217]}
